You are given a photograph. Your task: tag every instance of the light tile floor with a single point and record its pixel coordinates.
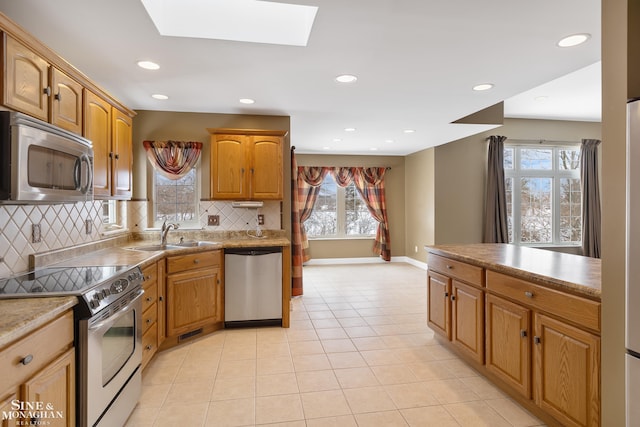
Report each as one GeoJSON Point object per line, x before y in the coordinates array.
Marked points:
{"type": "Point", "coordinates": [358, 353]}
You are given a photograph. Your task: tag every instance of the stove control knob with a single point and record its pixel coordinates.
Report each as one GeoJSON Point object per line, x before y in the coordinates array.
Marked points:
{"type": "Point", "coordinates": [105, 293]}
{"type": "Point", "coordinates": [93, 304]}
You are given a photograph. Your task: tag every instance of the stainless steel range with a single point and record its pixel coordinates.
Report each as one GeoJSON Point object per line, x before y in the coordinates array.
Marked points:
{"type": "Point", "coordinates": [108, 334]}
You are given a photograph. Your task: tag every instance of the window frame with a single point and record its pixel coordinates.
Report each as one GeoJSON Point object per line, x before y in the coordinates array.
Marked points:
{"type": "Point", "coordinates": [556, 174]}
{"type": "Point", "coordinates": [195, 224]}
{"type": "Point", "coordinates": [341, 218]}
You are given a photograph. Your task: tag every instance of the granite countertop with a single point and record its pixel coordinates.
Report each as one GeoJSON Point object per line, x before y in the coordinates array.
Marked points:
{"type": "Point", "coordinates": [22, 316]}
{"type": "Point", "coordinates": [18, 317]}
{"type": "Point", "coordinates": [574, 274]}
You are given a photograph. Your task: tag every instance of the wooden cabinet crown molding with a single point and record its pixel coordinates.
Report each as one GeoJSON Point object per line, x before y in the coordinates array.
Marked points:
{"type": "Point", "coordinates": [17, 32]}
{"type": "Point", "coordinates": [254, 132]}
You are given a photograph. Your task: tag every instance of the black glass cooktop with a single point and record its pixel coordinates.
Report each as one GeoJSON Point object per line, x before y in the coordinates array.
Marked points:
{"type": "Point", "coordinates": [57, 281]}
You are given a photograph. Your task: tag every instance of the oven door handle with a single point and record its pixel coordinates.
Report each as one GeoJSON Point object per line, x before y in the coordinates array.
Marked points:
{"type": "Point", "coordinates": [124, 309]}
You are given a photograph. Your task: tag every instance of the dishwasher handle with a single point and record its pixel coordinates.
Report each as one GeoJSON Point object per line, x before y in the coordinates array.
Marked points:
{"type": "Point", "coordinates": [254, 251]}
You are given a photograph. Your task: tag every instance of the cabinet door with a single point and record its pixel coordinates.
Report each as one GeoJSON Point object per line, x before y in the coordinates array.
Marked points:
{"type": "Point", "coordinates": [26, 80]}
{"type": "Point", "coordinates": [6, 408]}
{"type": "Point", "coordinates": [66, 102]}
{"type": "Point", "coordinates": [229, 167]}
{"type": "Point", "coordinates": [97, 128]}
{"type": "Point", "coordinates": [438, 291]}
{"type": "Point", "coordinates": [192, 300]}
{"type": "Point", "coordinates": [123, 154]}
{"type": "Point", "coordinates": [162, 304]}
{"type": "Point", "coordinates": [508, 343]}
{"type": "Point", "coordinates": [266, 168]}
{"type": "Point", "coordinates": [467, 320]}
{"type": "Point", "coordinates": [55, 385]}
{"type": "Point", "coordinates": [566, 372]}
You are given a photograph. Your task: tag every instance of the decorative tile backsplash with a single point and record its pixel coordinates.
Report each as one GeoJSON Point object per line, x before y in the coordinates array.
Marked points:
{"type": "Point", "coordinates": [66, 225]}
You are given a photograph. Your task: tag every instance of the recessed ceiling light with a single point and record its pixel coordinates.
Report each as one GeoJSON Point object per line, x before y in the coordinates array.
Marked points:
{"type": "Point", "coordinates": [326, 148]}
{"type": "Point", "coordinates": [574, 40]}
{"type": "Point", "coordinates": [541, 98]}
{"type": "Point", "coordinates": [409, 131]}
{"type": "Point", "coordinates": [349, 129]}
{"type": "Point", "coordinates": [337, 140]}
{"type": "Point", "coordinates": [483, 86]}
{"type": "Point", "coordinates": [247, 101]}
{"type": "Point", "coordinates": [389, 141]}
{"type": "Point", "coordinates": [346, 78]}
{"type": "Point", "coordinates": [373, 149]}
{"type": "Point", "coordinates": [148, 65]}
{"type": "Point", "coordinates": [159, 96]}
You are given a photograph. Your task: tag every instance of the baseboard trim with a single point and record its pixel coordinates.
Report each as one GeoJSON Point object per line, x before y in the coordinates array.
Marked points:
{"type": "Point", "coordinates": [365, 260]}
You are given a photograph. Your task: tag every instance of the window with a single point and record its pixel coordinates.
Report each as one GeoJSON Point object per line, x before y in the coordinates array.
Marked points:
{"type": "Point", "coordinates": [110, 217]}
{"type": "Point", "coordinates": [543, 194]}
{"type": "Point", "coordinates": [339, 212]}
{"type": "Point", "coordinates": [176, 200]}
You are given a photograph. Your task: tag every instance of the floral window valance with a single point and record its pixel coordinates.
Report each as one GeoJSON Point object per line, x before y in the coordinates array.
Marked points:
{"type": "Point", "coordinates": [173, 159]}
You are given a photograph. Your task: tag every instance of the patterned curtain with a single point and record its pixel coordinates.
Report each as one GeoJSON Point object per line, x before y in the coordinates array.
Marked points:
{"type": "Point", "coordinates": [297, 253]}
{"type": "Point", "coordinates": [370, 184]}
{"type": "Point", "coordinates": [173, 159]}
{"type": "Point", "coordinates": [309, 181]}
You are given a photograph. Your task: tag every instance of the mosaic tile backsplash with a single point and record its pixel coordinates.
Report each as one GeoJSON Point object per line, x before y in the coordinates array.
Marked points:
{"type": "Point", "coordinates": [65, 225]}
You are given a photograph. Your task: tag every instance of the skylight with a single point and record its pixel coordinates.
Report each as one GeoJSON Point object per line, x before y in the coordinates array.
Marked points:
{"type": "Point", "coordinates": [239, 20]}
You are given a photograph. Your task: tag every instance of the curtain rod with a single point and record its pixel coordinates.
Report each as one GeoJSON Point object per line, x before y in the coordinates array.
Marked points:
{"type": "Point", "coordinates": [539, 141]}
{"type": "Point", "coordinates": [331, 167]}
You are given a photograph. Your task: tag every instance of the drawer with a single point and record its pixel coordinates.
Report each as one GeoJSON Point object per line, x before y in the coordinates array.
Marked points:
{"type": "Point", "coordinates": [150, 296]}
{"type": "Point", "coordinates": [456, 269]}
{"type": "Point", "coordinates": [150, 273]}
{"type": "Point", "coordinates": [580, 311]}
{"type": "Point", "coordinates": [192, 261]}
{"type": "Point", "coordinates": [43, 346]}
{"type": "Point", "coordinates": [149, 345]}
{"type": "Point", "coordinates": [149, 317]}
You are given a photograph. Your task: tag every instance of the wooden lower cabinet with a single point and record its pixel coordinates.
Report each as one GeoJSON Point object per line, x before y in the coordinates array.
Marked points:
{"type": "Point", "coordinates": [508, 343]}
{"type": "Point", "coordinates": [439, 313]}
{"type": "Point", "coordinates": [39, 369]}
{"type": "Point", "coordinates": [467, 324]}
{"type": "Point", "coordinates": [194, 293]}
{"type": "Point", "coordinates": [566, 372]}
{"type": "Point", "coordinates": [152, 310]}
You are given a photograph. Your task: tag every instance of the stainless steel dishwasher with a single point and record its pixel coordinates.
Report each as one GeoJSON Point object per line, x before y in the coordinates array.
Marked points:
{"type": "Point", "coordinates": [253, 286]}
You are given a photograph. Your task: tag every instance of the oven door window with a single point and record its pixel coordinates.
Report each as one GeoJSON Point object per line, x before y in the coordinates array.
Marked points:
{"type": "Point", "coordinates": [118, 345]}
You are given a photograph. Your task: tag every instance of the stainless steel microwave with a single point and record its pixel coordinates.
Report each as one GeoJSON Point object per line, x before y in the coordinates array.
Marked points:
{"type": "Point", "coordinates": [42, 163]}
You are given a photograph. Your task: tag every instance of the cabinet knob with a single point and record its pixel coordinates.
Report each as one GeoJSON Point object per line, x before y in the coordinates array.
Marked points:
{"type": "Point", "coordinates": [453, 297]}
{"type": "Point", "coordinates": [196, 261]}
{"type": "Point", "coordinates": [160, 298]}
{"type": "Point", "coordinates": [528, 294]}
{"type": "Point", "coordinates": [47, 90]}
{"type": "Point", "coordinates": [117, 156]}
{"type": "Point", "coordinates": [536, 340]}
{"type": "Point", "coordinates": [523, 333]}
{"type": "Point", "coordinates": [148, 347]}
{"type": "Point", "coordinates": [147, 277]}
{"type": "Point", "coordinates": [148, 299]}
{"type": "Point", "coordinates": [148, 321]}
{"type": "Point", "coordinates": [449, 267]}
{"type": "Point", "coordinates": [446, 295]}
{"type": "Point", "coordinates": [27, 359]}
{"type": "Point", "coordinates": [58, 96]}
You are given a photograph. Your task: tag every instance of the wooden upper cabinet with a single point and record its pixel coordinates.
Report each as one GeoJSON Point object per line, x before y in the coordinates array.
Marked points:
{"type": "Point", "coordinates": [122, 162]}
{"type": "Point", "coordinates": [246, 164]}
{"type": "Point", "coordinates": [66, 102]}
{"type": "Point", "coordinates": [110, 131]}
{"type": "Point", "coordinates": [97, 128]}
{"type": "Point", "coordinates": [26, 80]}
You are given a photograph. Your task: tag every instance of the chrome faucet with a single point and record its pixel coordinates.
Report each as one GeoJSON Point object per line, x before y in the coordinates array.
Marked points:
{"type": "Point", "coordinates": [165, 230]}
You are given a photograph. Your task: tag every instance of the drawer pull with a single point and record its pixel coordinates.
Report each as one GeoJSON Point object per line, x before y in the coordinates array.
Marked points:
{"type": "Point", "coordinates": [528, 294]}
{"type": "Point", "coordinates": [27, 359]}
{"type": "Point", "coordinates": [147, 277]}
{"type": "Point", "coordinates": [196, 261]}
{"type": "Point", "coordinates": [148, 321]}
{"type": "Point", "coordinates": [148, 299]}
{"type": "Point", "coordinates": [148, 347]}
{"type": "Point", "coordinates": [536, 340]}
{"type": "Point", "coordinates": [449, 267]}
{"type": "Point", "coordinates": [523, 333]}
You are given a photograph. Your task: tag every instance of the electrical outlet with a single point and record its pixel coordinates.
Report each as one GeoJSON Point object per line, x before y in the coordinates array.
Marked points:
{"type": "Point", "coordinates": [260, 219]}
{"type": "Point", "coordinates": [213, 220]}
{"type": "Point", "coordinates": [36, 233]}
{"type": "Point", "coordinates": [88, 226]}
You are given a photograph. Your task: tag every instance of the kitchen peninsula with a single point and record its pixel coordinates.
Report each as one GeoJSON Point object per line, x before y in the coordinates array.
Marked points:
{"type": "Point", "coordinates": [528, 319]}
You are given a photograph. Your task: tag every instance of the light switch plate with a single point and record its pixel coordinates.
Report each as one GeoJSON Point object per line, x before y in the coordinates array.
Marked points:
{"type": "Point", "coordinates": [88, 226]}
{"type": "Point", "coordinates": [213, 220]}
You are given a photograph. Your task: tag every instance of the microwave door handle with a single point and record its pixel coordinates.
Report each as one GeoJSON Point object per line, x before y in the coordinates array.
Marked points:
{"type": "Point", "coordinates": [77, 167]}
{"type": "Point", "coordinates": [84, 159]}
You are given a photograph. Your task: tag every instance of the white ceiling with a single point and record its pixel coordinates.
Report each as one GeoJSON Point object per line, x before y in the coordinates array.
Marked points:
{"type": "Point", "coordinates": [416, 62]}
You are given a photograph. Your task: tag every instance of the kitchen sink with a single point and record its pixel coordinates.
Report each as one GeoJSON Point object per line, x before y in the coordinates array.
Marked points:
{"type": "Point", "coordinates": [154, 247]}
{"type": "Point", "coordinates": [194, 244]}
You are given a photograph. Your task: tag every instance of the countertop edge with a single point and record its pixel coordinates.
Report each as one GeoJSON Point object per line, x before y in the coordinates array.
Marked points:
{"type": "Point", "coordinates": [548, 281]}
